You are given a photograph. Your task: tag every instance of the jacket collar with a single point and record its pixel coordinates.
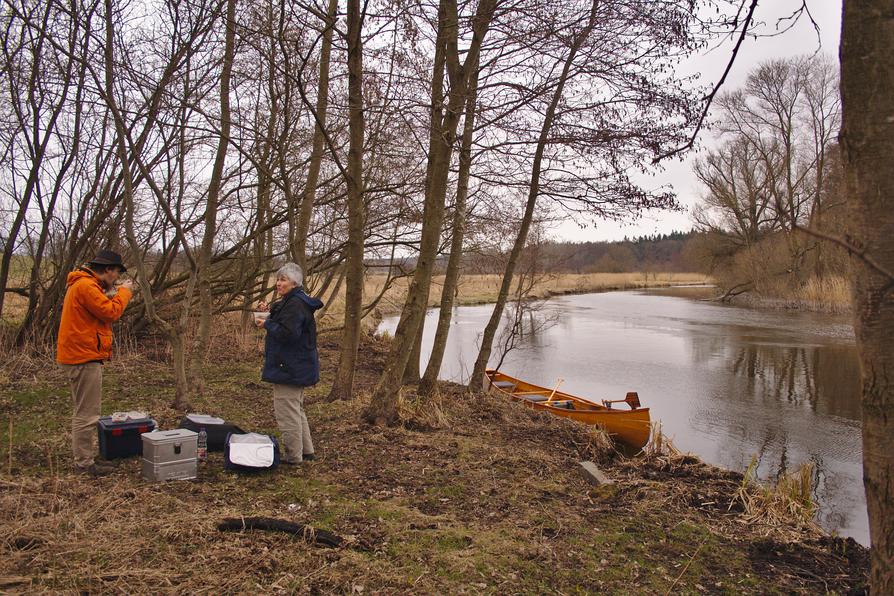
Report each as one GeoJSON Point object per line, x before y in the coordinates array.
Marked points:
{"type": "Point", "coordinates": [293, 293]}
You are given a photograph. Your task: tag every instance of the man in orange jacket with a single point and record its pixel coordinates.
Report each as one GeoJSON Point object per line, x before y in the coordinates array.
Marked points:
{"type": "Point", "coordinates": [91, 305]}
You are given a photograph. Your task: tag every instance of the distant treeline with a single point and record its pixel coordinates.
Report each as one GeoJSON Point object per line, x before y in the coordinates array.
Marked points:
{"type": "Point", "coordinates": [662, 252]}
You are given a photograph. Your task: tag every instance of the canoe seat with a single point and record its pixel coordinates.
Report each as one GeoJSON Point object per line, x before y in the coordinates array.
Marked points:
{"type": "Point", "coordinates": [534, 397]}
{"type": "Point", "coordinates": [506, 385]}
{"type": "Point", "coordinates": [565, 404]}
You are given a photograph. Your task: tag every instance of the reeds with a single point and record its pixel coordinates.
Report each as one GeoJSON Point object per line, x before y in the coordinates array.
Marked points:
{"type": "Point", "coordinates": [829, 294]}
{"type": "Point", "coordinates": [790, 500]}
{"type": "Point", "coordinates": [659, 444]}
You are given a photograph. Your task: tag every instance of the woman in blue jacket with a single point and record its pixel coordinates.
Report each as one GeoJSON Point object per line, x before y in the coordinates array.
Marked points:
{"type": "Point", "coordinates": [291, 362]}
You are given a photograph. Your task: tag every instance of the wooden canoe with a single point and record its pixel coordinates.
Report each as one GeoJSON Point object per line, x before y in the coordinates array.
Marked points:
{"type": "Point", "coordinates": [630, 425]}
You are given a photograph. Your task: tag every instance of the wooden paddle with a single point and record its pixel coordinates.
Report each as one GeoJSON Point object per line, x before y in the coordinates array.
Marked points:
{"type": "Point", "coordinates": [556, 388]}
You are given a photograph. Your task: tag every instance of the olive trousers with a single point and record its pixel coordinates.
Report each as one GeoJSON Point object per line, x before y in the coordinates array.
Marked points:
{"type": "Point", "coordinates": [86, 395]}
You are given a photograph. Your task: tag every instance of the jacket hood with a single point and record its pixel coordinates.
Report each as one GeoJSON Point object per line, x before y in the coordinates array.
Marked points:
{"type": "Point", "coordinates": [311, 302]}
{"type": "Point", "coordinates": [79, 274]}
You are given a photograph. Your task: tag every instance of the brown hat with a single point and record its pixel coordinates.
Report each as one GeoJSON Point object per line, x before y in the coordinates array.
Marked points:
{"type": "Point", "coordinates": [108, 257]}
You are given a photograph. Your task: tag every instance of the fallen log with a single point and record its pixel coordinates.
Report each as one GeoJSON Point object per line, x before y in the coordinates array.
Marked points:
{"type": "Point", "coordinates": [308, 533]}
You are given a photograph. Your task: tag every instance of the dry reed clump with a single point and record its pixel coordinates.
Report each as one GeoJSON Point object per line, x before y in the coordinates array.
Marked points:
{"type": "Point", "coordinates": [790, 500]}
{"type": "Point", "coordinates": [596, 445]}
{"type": "Point", "coordinates": [421, 412]}
{"type": "Point", "coordinates": [585, 442]}
{"type": "Point", "coordinates": [827, 294]}
{"type": "Point", "coordinates": [659, 444]}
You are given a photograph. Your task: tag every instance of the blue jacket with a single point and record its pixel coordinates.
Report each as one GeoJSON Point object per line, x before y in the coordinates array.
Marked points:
{"type": "Point", "coordinates": [290, 349]}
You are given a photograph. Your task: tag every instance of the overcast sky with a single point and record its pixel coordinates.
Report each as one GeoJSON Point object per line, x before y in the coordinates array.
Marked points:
{"type": "Point", "coordinates": [802, 39]}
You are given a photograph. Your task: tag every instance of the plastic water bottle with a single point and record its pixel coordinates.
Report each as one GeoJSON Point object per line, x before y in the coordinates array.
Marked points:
{"type": "Point", "coordinates": [202, 445]}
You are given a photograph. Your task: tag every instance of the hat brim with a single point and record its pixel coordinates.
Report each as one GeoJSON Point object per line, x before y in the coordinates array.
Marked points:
{"type": "Point", "coordinates": [108, 264]}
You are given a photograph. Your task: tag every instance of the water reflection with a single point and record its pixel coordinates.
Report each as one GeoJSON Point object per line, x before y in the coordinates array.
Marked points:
{"type": "Point", "coordinates": [726, 383]}
{"type": "Point", "coordinates": [823, 378]}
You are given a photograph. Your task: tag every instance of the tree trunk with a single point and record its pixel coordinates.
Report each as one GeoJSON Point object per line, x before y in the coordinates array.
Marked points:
{"type": "Point", "coordinates": [343, 385]}
{"type": "Point", "coordinates": [383, 406]}
{"type": "Point", "coordinates": [203, 335]}
{"type": "Point", "coordinates": [477, 380]}
{"type": "Point", "coordinates": [451, 278]}
{"type": "Point", "coordinates": [867, 144]}
{"type": "Point", "coordinates": [411, 372]}
{"type": "Point", "coordinates": [302, 226]}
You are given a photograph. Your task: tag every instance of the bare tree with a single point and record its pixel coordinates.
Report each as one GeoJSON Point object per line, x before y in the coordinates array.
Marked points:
{"type": "Point", "coordinates": [343, 384]}
{"type": "Point", "coordinates": [428, 383]}
{"type": "Point", "coordinates": [203, 257]}
{"type": "Point", "coordinates": [301, 223]}
{"type": "Point", "coordinates": [737, 199]}
{"type": "Point", "coordinates": [490, 330]}
{"type": "Point", "coordinates": [769, 177]}
{"type": "Point", "coordinates": [383, 407]}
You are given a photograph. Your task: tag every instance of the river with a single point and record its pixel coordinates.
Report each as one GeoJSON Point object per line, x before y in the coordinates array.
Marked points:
{"type": "Point", "coordinates": [727, 383]}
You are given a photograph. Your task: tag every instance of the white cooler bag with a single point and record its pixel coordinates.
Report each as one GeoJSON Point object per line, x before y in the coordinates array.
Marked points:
{"type": "Point", "coordinates": [251, 452]}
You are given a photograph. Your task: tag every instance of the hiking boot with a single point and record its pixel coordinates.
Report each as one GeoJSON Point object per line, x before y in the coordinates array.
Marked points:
{"type": "Point", "coordinates": [93, 470]}
{"type": "Point", "coordinates": [309, 456]}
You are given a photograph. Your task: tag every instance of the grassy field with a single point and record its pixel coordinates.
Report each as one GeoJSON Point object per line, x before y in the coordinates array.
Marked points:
{"type": "Point", "coordinates": [468, 495]}
{"type": "Point", "coordinates": [482, 289]}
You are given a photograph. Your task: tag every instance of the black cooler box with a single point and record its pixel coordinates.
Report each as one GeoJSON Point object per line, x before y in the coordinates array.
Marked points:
{"type": "Point", "coordinates": [122, 439]}
{"type": "Point", "coordinates": [217, 429]}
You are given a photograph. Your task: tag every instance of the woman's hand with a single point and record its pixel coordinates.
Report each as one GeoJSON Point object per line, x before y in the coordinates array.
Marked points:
{"type": "Point", "coordinates": [263, 306]}
{"type": "Point", "coordinates": [259, 323]}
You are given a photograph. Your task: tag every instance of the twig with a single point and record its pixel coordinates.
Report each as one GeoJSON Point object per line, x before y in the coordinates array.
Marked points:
{"type": "Point", "coordinates": [691, 559]}
{"type": "Point", "coordinates": [9, 465]}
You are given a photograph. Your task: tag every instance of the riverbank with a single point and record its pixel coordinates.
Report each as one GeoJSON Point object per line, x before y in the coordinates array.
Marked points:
{"type": "Point", "coordinates": [753, 300]}
{"type": "Point", "coordinates": [469, 495]}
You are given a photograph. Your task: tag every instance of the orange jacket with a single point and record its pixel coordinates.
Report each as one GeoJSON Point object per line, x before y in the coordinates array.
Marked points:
{"type": "Point", "coordinates": [85, 331]}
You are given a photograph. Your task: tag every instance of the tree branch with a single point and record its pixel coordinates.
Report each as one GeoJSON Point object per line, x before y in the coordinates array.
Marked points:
{"type": "Point", "coordinates": [851, 248]}
{"type": "Point", "coordinates": [710, 97]}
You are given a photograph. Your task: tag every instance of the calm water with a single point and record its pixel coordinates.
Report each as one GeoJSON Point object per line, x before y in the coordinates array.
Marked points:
{"type": "Point", "coordinates": [726, 383]}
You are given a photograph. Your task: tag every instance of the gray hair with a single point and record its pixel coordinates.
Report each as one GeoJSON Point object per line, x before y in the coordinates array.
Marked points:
{"type": "Point", "coordinates": [293, 272]}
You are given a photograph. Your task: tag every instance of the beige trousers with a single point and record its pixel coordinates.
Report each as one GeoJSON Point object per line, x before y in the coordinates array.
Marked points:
{"type": "Point", "coordinates": [86, 394]}
{"type": "Point", "coordinates": [288, 406]}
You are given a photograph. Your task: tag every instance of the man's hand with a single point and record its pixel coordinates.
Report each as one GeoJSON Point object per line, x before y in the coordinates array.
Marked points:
{"type": "Point", "coordinates": [127, 283]}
